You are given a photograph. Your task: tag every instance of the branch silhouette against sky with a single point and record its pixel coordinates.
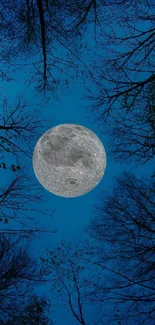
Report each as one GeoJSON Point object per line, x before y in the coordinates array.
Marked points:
{"type": "Point", "coordinates": [103, 53]}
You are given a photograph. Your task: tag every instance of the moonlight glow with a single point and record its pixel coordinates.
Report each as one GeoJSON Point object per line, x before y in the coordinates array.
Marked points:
{"type": "Point", "coordinates": [69, 160]}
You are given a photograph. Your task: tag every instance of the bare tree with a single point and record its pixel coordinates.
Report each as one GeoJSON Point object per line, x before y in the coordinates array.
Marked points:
{"type": "Point", "coordinates": [125, 224]}
{"type": "Point", "coordinates": [18, 273]}
{"type": "Point", "coordinates": [123, 79]}
{"type": "Point", "coordinates": [18, 128]}
{"type": "Point", "coordinates": [122, 75]}
{"type": "Point", "coordinates": [132, 134]}
{"type": "Point", "coordinates": [19, 193]}
{"type": "Point", "coordinates": [42, 26]}
{"type": "Point", "coordinates": [34, 312]}
{"type": "Point", "coordinates": [71, 280]}
{"type": "Point", "coordinates": [45, 27]}
{"type": "Point", "coordinates": [17, 200]}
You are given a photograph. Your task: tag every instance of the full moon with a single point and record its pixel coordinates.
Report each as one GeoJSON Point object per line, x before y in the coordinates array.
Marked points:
{"type": "Point", "coordinates": [69, 160]}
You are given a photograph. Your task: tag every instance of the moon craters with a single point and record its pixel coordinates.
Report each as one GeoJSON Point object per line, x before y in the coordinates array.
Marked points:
{"type": "Point", "coordinates": [62, 151]}
{"type": "Point", "coordinates": [69, 160]}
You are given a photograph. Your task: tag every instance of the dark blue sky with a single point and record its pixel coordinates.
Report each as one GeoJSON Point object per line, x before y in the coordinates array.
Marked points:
{"type": "Point", "coordinates": [71, 215]}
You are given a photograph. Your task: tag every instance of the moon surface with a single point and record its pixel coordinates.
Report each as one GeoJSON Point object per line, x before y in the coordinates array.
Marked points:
{"type": "Point", "coordinates": [69, 160]}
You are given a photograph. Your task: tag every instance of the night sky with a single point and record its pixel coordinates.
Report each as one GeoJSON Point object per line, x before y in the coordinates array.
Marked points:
{"type": "Point", "coordinates": [71, 215]}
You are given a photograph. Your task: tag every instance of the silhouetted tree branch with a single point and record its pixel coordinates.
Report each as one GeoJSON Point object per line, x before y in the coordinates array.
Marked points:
{"type": "Point", "coordinates": [125, 223]}
{"type": "Point", "coordinates": [34, 312]}
{"type": "Point", "coordinates": [71, 281]}
{"type": "Point", "coordinates": [17, 127]}
{"type": "Point", "coordinates": [18, 272]}
{"type": "Point", "coordinates": [43, 27]}
{"type": "Point", "coordinates": [129, 67]}
{"type": "Point", "coordinates": [17, 197]}
{"type": "Point", "coordinates": [132, 134]}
